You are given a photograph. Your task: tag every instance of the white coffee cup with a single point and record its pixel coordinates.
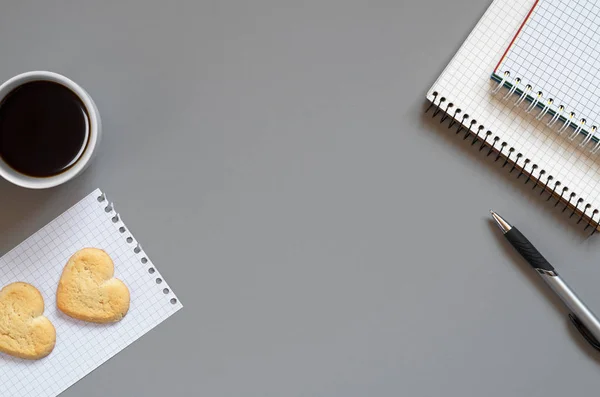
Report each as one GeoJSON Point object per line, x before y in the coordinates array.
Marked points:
{"type": "Point", "coordinates": [89, 148]}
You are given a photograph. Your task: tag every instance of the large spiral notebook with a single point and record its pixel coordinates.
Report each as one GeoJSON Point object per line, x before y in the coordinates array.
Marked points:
{"type": "Point", "coordinates": [520, 117]}
{"type": "Point", "coordinates": [80, 346]}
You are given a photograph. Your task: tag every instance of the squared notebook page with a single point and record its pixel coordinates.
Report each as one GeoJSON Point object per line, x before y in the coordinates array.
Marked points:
{"type": "Point", "coordinates": [81, 347]}
{"type": "Point", "coordinates": [557, 52]}
{"type": "Point", "coordinates": [466, 83]}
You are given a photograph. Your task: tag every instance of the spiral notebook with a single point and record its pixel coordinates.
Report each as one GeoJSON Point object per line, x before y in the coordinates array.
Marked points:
{"type": "Point", "coordinates": [554, 63]}
{"type": "Point", "coordinates": [81, 347]}
{"type": "Point", "coordinates": [506, 127]}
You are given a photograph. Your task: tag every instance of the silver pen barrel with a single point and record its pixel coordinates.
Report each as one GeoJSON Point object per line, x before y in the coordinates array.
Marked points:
{"type": "Point", "coordinates": [572, 301]}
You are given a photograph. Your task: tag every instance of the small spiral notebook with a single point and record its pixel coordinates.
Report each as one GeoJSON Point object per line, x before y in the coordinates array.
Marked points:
{"type": "Point", "coordinates": [81, 347]}
{"type": "Point", "coordinates": [553, 63]}
{"type": "Point", "coordinates": [514, 122]}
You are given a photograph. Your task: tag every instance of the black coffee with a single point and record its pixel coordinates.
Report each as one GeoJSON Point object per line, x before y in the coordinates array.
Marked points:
{"type": "Point", "coordinates": [43, 128]}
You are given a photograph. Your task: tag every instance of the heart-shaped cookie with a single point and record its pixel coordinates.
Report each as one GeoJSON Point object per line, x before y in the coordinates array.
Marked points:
{"type": "Point", "coordinates": [24, 331]}
{"type": "Point", "coordinates": [87, 290]}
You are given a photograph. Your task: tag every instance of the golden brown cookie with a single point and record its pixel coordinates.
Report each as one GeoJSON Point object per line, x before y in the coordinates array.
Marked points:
{"type": "Point", "coordinates": [24, 331]}
{"type": "Point", "coordinates": [87, 290]}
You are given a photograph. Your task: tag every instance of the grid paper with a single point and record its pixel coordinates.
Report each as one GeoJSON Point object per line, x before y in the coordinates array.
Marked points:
{"type": "Point", "coordinates": [465, 82]}
{"type": "Point", "coordinates": [81, 347]}
{"type": "Point", "coordinates": [558, 52]}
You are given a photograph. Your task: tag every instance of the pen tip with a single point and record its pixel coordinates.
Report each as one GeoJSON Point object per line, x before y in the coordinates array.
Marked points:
{"type": "Point", "coordinates": [502, 224]}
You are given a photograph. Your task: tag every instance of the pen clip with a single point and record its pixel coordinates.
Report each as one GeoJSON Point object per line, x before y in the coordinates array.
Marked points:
{"type": "Point", "coordinates": [584, 332]}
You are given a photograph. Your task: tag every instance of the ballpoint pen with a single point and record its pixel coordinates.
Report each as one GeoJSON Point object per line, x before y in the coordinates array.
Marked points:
{"type": "Point", "coordinates": [584, 320]}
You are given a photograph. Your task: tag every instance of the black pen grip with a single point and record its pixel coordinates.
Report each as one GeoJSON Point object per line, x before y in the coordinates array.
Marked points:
{"type": "Point", "coordinates": [527, 250]}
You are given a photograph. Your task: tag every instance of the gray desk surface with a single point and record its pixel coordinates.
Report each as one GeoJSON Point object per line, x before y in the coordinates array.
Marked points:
{"type": "Point", "coordinates": [325, 237]}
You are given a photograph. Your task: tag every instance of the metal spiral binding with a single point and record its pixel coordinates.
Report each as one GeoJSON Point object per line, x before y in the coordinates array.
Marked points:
{"type": "Point", "coordinates": [569, 119]}
{"type": "Point", "coordinates": [137, 248]}
{"type": "Point", "coordinates": [546, 183]}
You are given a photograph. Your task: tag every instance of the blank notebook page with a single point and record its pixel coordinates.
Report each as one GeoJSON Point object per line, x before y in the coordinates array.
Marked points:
{"type": "Point", "coordinates": [81, 347]}
{"type": "Point", "coordinates": [466, 83]}
{"type": "Point", "coordinates": [557, 52]}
